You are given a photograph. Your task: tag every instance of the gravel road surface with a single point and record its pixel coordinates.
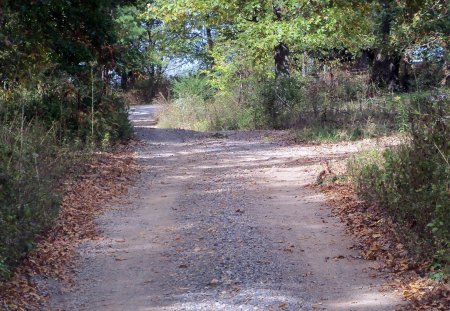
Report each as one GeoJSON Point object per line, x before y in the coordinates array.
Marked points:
{"type": "Point", "coordinates": [223, 222]}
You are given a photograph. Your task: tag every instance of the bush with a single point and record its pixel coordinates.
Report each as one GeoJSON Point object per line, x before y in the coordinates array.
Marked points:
{"type": "Point", "coordinates": [192, 86]}
{"type": "Point", "coordinates": [323, 107]}
{"type": "Point", "coordinates": [198, 106]}
{"type": "Point", "coordinates": [65, 105]}
{"type": "Point", "coordinates": [30, 164]}
{"type": "Point", "coordinates": [412, 181]}
{"type": "Point", "coordinates": [42, 131]}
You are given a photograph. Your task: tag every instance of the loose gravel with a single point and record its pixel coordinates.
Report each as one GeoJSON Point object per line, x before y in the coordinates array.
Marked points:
{"type": "Point", "coordinates": [223, 222]}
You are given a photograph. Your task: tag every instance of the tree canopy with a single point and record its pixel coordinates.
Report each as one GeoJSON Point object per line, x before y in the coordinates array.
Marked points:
{"type": "Point", "coordinates": [226, 33]}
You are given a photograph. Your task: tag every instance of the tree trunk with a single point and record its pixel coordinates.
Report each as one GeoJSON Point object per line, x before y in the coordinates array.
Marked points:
{"type": "Point", "coordinates": [209, 38]}
{"type": "Point", "coordinates": [124, 80]}
{"type": "Point", "coordinates": [404, 75]}
{"type": "Point", "coordinates": [386, 64]}
{"type": "Point", "coordinates": [281, 52]}
{"type": "Point", "coordinates": [210, 41]}
{"type": "Point", "coordinates": [385, 70]}
{"type": "Point", "coordinates": [363, 61]}
{"type": "Point", "coordinates": [281, 56]}
{"type": "Point", "coordinates": [446, 70]}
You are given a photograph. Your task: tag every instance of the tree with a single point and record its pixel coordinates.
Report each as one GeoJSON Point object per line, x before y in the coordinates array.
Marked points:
{"type": "Point", "coordinates": [402, 26]}
{"type": "Point", "coordinates": [136, 50]}
{"type": "Point", "coordinates": [264, 30]}
{"type": "Point", "coordinates": [270, 34]}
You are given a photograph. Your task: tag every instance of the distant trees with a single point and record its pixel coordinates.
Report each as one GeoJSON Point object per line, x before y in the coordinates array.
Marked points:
{"type": "Point", "coordinates": [402, 27]}
{"type": "Point", "coordinates": [266, 33]}
{"type": "Point", "coordinates": [39, 37]}
{"type": "Point", "coordinates": [51, 34]}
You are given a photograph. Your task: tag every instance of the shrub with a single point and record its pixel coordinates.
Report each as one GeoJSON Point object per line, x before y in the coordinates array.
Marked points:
{"type": "Point", "coordinates": [42, 131]}
{"type": "Point", "coordinates": [322, 107]}
{"type": "Point", "coordinates": [30, 164]}
{"type": "Point", "coordinates": [412, 181]}
{"type": "Point", "coordinates": [192, 86]}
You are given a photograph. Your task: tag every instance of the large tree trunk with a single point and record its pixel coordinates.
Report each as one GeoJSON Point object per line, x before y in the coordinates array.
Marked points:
{"type": "Point", "coordinates": [281, 56]}
{"type": "Point", "coordinates": [281, 52]}
{"type": "Point", "coordinates": [385, 70]}
{"type": "Point", "coordinates": [124, 80]}
{"type": "Point", "coordinates": [386, 63]}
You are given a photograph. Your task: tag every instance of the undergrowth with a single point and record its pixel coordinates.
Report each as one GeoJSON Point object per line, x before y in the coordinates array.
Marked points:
{"type": "Point", "coordinates": [316, 108]}
{"type": "Point", "coordinates": [411, 182]}
{"type": "Point", "coordinates": [44, 131]}
{"type": "Point", "coordinates": [30, 165]}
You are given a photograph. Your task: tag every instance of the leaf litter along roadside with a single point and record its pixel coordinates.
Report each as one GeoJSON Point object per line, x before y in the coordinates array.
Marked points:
{"type": "Point", "coordinates": [377, 240]}
{"type": "Point", "coordinates": [107, 176]}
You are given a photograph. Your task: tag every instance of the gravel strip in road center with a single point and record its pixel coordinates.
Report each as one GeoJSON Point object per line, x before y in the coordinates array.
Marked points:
{"type": "Point", "coordinates": [225, 262]}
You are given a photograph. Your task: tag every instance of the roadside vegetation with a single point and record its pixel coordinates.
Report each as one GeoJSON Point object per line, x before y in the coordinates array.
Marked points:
{"type": "Point", "coordinates": [318, 109]}
{"type": "Point", "coordinates": [44, 137]}
{"type": "Point", "coordinates": [57, 108]}
{"type": "Point", "coordinates": [411, 182]}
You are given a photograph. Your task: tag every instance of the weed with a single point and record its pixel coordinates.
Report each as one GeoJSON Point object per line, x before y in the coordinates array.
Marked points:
{"type": "Point", "coordinates": [43, 132]}
{"type": "Point", "coordinates": [412, 181]}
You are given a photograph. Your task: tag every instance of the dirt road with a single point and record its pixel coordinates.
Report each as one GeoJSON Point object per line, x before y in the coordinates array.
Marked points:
{"type": "Point", "coordinates": [223, 223]}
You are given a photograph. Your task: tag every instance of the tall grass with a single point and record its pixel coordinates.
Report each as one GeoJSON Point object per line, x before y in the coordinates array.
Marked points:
{"type": "Point", "coordinates": [31, 162]}
{"type": "Point", "coordinates": [196, 105]}
{"type": "Point", "coordinates": [412, 181]}
{"type": "Point", "coordinates": [44, 130]}
{"type": "Point", "coordinates": [345, 106]}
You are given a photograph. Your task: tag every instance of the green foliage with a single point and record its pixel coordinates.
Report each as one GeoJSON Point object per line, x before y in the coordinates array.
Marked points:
{"type": "Point", "coordinates": [416, 22]}
{"type": "Point", "coordinates": [328, 134]}
{"type": "Point", "coordinates": [192, 86]}
{"type": "Point", "coordinates": [412, 181]}
{"type": "Point", "coordinates": [426, 76]}
{"type": "Point", "coordinates": [198, 106]}
{"type": "Point", "coordinates": [229, 37]}
{"type": "Point", "coordinates": [253, 26]}
{"type": "Point", "coordinates": [30, 163]}
{"type": "Point", "coordinates": [42, 130]}
{"type": "Point", "coordinates": [48, 34]}
{"type": "Point", "coordinates": [317, 108]}
{"type": "Point", "coordinates": [140, 45]}
{"type": "Point", "coordinates": [66, 107]}
{"type": "Point", "coordinates": [403, 119]}
{"type": "Point", "coordinates": [58, 64]}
